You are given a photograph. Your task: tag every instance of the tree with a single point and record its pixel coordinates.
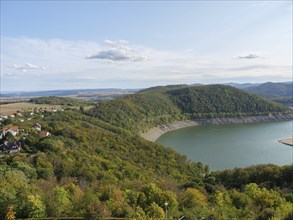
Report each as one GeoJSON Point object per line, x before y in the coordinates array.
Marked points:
{"type": "Point", "coordinates": [117, 204]}
{"type": "Point", "coordinates": [97, 210]}
{"type": "Point", "coordinates": [43, 167]}
{"type": "Point", "coordinates": [29, 171]}
{"type": "Point", "coordinates": [7, 121]}
{"type": "Point", "coordinates": [60, 204]}
{"type": "Point", "coordinates": [251, 190]}
{"type": "Point", "coordinates": [10, 214]}
{"type": "Point", "coordinates": [155, 211]}
{"type": "Point", "coordinates": [139, 213]}
{"type": "Point", "coordinates": [76, 194]}
{"type": "Point", "coordinates": [35, 207]}
{"type": "Point", "coordinates": [152, 192]}
{"type": "Point", "coordinates": [240, 200]}
{"type": "Point", "coordinates": [218, 198]}
{"type": "Point", "coordinates": [9, 137]}
{"type": "Point", "coordinates": [194, 198]}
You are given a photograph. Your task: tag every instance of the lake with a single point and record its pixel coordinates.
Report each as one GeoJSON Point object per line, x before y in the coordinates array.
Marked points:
{"type": "Point", "coordinates": [235, 145]}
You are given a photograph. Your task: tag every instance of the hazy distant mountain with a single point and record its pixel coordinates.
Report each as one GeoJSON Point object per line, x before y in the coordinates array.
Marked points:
{"type": "Point", "coordinates": [273, 90]}
{"type": "Point", "coordinates": [196, 84]}
{"type": "Point", "coordinates": [74, 92]}
{"type": "Point", "coordinates": [241, 85]}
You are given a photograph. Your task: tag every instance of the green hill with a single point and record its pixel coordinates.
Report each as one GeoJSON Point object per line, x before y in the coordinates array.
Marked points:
{"type": "Point", "coordinates": [220, 99]}
{"type": "Point", "coordinates": [161, 105]}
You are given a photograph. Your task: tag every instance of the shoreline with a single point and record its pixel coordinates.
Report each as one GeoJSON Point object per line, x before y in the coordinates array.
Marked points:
{"type": "Point", "coordinates": [154, 133]}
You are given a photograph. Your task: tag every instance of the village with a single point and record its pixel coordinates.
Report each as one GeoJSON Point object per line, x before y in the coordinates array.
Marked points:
{"type": "Point", "coordinates": [12, 134]}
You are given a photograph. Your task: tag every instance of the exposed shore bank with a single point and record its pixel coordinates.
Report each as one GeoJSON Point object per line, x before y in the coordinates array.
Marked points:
{"type": "Point", "coordinates": [288, 141]}
{"type": "Point", "coordinates": [154, 133]}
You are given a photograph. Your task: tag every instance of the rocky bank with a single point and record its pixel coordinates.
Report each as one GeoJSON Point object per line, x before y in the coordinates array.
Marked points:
{"type": "Point", "coordinates": [154, 133]}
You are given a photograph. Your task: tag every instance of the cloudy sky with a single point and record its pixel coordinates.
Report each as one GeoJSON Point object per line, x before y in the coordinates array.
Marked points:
{"type": "Point", "coordinates": [75, 44]}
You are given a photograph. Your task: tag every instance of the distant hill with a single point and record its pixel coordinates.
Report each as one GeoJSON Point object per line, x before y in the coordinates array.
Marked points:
{"type": "Point", "coordinates": [164, 88]}
{"type": "Point", "coordinates": [196, 84]}
{"type": "Point", "coordinates": [75, 92]}
{"type": "Point", "coordinates": [162, 105]}
{"type": "Point", "coordinates": [273, 90]}
{"type": "Point", "coordinates": [241, 85]}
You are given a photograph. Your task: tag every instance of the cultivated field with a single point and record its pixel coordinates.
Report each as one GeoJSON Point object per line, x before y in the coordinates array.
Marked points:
{"type": "Point", "coordinates": [7, 109]}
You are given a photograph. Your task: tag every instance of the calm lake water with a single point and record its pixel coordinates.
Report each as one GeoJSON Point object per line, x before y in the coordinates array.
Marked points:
{"type": "Point", "coordinates": [229, 146]}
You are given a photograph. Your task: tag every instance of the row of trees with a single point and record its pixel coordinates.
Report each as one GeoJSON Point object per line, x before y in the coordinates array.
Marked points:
{"type": "Point", "coordinates": [54, 100]}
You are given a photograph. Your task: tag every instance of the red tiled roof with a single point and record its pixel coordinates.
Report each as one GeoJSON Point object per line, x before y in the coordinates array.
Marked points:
{"type": "Point", "coordinates": [13, 128]}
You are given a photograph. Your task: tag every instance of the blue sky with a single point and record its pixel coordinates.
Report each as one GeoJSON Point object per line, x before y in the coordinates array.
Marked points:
{"type": "Point", "coordinates": [94, 44]}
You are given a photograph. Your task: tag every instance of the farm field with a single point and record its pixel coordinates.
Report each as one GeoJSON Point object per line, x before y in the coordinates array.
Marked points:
{"type": "Point", "coordinates": [7, 109]}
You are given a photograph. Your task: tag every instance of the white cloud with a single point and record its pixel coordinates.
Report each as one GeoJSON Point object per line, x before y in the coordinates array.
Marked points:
{"type": "Point", "coordinates": [250, 56]}
{"type": "Point", "coordinates": [120, 54]}
{"type": "Point", "coordinates": [119, 51]}
{"type": "Point", "coordinates": [118, 43]}
{"type": "Point", "coordinates": [26, 67]}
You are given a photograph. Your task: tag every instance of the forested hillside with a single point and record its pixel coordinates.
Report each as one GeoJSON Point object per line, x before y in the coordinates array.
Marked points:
{"type": "Point", "coordinates": [220, 99]}
{"type": "Point", "coordinates": [161, 105]}
{"type": "Point", "coordinates": [74, 165]}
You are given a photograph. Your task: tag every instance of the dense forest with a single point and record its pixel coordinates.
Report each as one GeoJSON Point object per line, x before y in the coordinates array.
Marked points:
{"type": "Point", "coordinates": [99, 167]}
